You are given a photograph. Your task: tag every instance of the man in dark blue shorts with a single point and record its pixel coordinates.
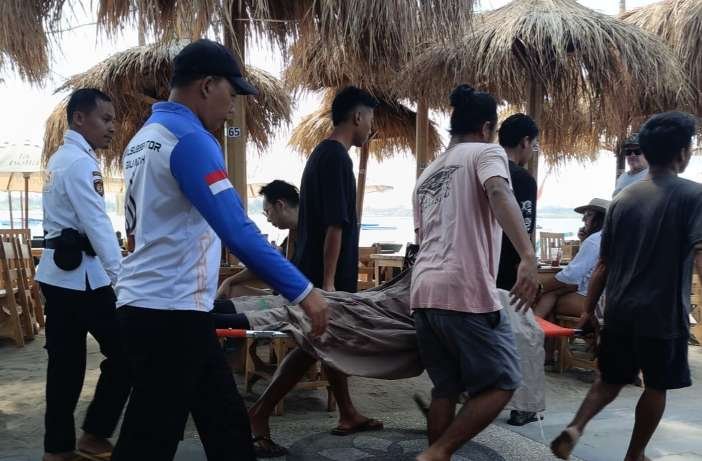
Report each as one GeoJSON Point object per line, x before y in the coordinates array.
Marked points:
{"type": "Point", "coordinates": [651, 239]}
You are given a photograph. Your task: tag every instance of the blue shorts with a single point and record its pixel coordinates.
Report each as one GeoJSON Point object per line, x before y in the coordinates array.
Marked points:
{"type": "Point", "coordinates": [465, 352]}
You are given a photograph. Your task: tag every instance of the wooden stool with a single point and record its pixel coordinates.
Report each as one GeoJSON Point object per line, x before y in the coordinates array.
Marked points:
{"type": "Point", "coordinates": [566, 357]}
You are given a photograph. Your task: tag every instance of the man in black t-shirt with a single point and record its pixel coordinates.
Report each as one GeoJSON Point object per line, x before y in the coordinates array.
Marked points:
{"type": "Point", "coordinates": [327, 240]}
{"type": "Point", "coordinates": [651, 238]}
{"type": "Point", "coordinates": [518, 136]}
{"type": "Point", "coordinates": [326, 252]}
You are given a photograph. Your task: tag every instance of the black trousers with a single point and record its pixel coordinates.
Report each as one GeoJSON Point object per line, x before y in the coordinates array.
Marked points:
{"type": "Point", "coordinates": [178, 368]}
{"type": "Point", "coordinates": [70, 316]}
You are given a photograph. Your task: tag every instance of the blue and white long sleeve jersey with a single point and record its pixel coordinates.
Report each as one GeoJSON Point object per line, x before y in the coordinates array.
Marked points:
{"type": "Point", "coordinates": [178, 201]}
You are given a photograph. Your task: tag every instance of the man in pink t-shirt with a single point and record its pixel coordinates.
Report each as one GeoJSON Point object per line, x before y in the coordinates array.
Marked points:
{"type": "Point", "coordinates": [462, 203]}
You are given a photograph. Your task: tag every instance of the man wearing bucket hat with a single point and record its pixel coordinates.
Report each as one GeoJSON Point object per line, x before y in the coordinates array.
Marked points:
{"type": "Point", "coordinates": [566, 290]}
{"type": "Point", "coordinates": [638, 166]}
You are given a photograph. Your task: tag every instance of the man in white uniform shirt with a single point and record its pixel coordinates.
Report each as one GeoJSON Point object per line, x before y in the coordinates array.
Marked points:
{"type": "Point", "coordinates": [80, 262]}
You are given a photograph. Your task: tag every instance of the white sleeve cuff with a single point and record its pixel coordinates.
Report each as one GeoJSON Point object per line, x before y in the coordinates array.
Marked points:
{"type": "Point", "coordinates": [304, 294]}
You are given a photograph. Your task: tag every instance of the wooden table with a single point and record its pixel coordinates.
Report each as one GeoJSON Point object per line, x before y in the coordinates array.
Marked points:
{"type": "Point", "coordinates": [386, 261]}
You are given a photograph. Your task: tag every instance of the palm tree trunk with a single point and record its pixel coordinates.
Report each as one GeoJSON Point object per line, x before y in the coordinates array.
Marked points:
{"type": "Point", "coordinates": [622, 6]}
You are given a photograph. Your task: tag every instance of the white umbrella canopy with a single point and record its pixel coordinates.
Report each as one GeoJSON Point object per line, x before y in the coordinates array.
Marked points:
{"type": "Point", "coordinates": [20, 161]}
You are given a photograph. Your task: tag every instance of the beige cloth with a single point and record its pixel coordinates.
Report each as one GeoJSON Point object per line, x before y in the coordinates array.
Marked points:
{"type": "Point", "coordinates": [370, 334]}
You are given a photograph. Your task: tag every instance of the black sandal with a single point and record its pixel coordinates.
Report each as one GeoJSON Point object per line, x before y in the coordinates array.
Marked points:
{"type": "Point", "coordinates": [268, 449]}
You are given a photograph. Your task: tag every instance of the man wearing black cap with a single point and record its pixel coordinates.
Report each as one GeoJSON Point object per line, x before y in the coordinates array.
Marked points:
{"type": "Point", "coordinates": [638, 166]}
{"type": "Point", "coordinates": [179, 203]}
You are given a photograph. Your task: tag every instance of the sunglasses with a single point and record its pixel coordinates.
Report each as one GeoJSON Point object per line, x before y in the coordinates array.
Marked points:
{"type": "Point", "coordinates": [632, 152]}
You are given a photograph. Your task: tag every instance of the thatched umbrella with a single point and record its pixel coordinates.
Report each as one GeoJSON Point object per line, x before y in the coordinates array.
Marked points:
{"type": "Point", "coordinates": [139, 76]}
{"type": "Point", "coordinates": [393, 123]}
{"type": "Point", "coordinates": [374, 50]}
{"type": "Point", "coordinates": [560, 56]}
{"type": "Point", "coordinates": [679, 24]}
{"type": "Point", "coordinates": [24, 42]}
{"type": "Point", "coordinates": [374, 26]}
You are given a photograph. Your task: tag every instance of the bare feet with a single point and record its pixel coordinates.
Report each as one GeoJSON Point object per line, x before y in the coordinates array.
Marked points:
{"type": "Point", "coordinates": [563, 445]}
{"type": "Point", "coordinates": [259, 424]}
{"type": "Point", "coordinates": [94, 445]}
{"type": "Point", "coordinates": [430, 455]}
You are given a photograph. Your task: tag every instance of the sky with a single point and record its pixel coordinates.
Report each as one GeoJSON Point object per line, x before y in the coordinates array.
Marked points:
{"type": "Point", "coordinates": [26, 107]}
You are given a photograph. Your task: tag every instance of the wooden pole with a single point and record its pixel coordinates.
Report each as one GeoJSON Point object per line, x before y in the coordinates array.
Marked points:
{"type": "Point", "coordinates": [622, 6]}
{"type": "Point", "coordinates": [12, 219]}
{"type": "Point", "coordinates": [535, 109]}
{"type": "Point", "coordinates": [422, 131]}
{"type": "Point", "coordinates": [235, 128]}
{"type": "Point", "coordinates": [26, 201]}
{"type": "Point", "coordinates": [361, 188]}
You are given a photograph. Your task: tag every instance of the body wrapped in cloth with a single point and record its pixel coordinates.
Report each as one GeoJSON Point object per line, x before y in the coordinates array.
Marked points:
{"type": "Point", "coordinates": [372, 334]}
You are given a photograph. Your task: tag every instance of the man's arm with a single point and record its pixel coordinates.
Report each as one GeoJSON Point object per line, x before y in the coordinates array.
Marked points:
{"type": "Point", "coordinates": [83, 187]}
{"type": "Point", "coordinates": [332, 250]}
{"type": "Point", "coordinates": [698, 258]}
{"type": "Point", "coordinates": [197, 166]}
{"type": "Point", "coordinates": [594, 291]}
{"type": "Point", "coordinates": [508, 214]}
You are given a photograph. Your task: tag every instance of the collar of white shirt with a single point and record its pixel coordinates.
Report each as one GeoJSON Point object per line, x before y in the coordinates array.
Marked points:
{"type": "Point", "coordinates": [76, 138]}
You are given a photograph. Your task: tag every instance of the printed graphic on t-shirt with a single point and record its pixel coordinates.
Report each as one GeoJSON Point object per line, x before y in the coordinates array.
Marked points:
{"type": "Point", "coordinates": [436, 187]}
{"type": "Point", "coordinates": [527, 213]}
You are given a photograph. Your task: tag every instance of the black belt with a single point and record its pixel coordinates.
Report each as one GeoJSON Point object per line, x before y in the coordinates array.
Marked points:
{"type": "Point", "coordinates": [84, 244]}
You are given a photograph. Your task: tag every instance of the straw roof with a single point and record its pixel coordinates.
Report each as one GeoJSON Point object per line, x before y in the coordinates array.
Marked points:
{"type": "Point", "coordinates": [679, 24]}
{"type": "Point", "coordinates": [139, 76]}
{"type": "Point", "coordinates": [339, 21]}
{"type": "Point", "coordinates": [595, 71]}
{"type": "Point", "coordinates": [373, 42]}
{"type": "Point", "coordinates": [24, 43]}
{"type": "Point", "coordinates": [394, 122]}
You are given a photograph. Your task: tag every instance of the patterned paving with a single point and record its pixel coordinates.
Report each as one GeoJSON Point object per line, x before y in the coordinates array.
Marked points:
{"type": "Point", "coordinates": [395, 445]}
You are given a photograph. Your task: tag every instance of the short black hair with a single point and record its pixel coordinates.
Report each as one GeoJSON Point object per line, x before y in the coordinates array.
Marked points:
{"type": "Point", "coordinates": [471, 109]}
{"type": "Point", "coordinates": [281, 190]}
{"type": "Point", "coordinates": [515, 128]}
{"type": "Point", "coordinates": [664, 135]}
{"type": "Point", "coordinates": [347, 100]}
{"type": "Point", "coordinates": [84, 100]}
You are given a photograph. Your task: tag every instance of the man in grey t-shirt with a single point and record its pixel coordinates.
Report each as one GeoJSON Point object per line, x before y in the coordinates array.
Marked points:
{"type": "Point", "coordinates": [651, 238]}
{"type": "Point", "coordinates": [638, 166]}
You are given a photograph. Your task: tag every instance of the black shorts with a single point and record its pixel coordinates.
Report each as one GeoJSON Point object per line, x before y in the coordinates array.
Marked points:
{"type": "Point", "coordinates": [663, 362]}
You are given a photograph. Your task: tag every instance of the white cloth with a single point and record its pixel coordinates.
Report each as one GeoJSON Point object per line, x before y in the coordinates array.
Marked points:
{"type": "Point", "coordinates": [529, 338]}
{"type": "Point", "coordinates": [73, 199]}
{"type": "Point", "coordinates": [579, 270]}
{"type": "Point", "coordinates": [627, 179]}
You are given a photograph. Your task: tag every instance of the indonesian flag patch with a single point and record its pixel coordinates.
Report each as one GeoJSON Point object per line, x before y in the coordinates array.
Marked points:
{"type": "Point", "coordinates": [218, 181]}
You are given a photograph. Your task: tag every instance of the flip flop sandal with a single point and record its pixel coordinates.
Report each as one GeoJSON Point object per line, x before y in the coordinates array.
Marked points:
{"type": "Point", "coordinates": [268, 449]}
{"type": "Point", "coordinates": [367, 425]}
{"type": "Point", "coordinates": [106, 456]}
{"type": "Point", "coordinates": [563, 445]}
